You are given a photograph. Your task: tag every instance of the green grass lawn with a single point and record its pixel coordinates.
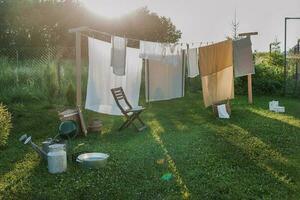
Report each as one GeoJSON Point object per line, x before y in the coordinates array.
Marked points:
{"type": "Point", "coordinates": [254, 155]}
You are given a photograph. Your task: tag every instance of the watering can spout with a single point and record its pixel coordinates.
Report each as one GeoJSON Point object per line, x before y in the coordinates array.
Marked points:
{"type": "Point", "coordinates": [25, 139]}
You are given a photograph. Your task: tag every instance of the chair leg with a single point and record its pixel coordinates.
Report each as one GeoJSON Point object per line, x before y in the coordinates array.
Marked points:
{"type": "Point", "coordinates": [140, 120]}
{"type": "Point", "coordinates": [130, 121]}
{"type": "Point", "coordinates": [124, 125]}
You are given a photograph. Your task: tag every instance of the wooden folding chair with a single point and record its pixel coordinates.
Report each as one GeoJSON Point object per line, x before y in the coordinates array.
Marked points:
{"type": "Point", "coordinates": [130, 113]}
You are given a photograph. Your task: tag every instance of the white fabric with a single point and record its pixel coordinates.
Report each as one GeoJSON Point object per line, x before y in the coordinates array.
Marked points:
{"type": "Point", "coordinates": [101, 78]}
{"type": "Point", "coordinates": [118, 55]}
{"type": "Point", "coordinates": [192, 65]}
{"type": "Point", "coordinates": [163, 52]}
{"type": "Point", "coordinates": [163, 82]}
{"type": "Point", "coordinates": [222, 112]}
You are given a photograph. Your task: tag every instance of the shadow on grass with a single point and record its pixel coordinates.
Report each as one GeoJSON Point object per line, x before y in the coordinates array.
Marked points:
{"type": "Point", "coordinates": [248, 151]}
{"type": "Point", "coordinates": [209, 158]}
{"type": "Point", "coordinates": [277, 130]}
{"type": "Point", "coordinates": [289, 103]}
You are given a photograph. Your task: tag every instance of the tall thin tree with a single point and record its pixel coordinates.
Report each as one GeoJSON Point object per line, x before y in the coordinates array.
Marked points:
{"type": "Point", "coordinates": [235, 27]}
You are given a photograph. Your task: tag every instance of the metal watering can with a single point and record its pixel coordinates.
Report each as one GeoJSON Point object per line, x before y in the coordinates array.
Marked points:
{"type": "Point", "coordinates": [66, 131]}
{"type": "Point", "coordinates": [27, 140]}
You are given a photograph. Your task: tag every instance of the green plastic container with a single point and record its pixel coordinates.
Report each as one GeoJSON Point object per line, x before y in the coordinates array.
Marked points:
{"type": "Point", "coordinates": [68, 129]}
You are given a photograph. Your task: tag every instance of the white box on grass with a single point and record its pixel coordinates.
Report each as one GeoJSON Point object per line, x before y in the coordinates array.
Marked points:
{"type": "Point", "coordinates": [273, 105]}
{"type": "Point", "coordinates": [280, 109]}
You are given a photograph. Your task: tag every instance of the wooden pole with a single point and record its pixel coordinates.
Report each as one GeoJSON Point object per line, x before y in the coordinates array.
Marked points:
{"type": "Point", "coordinates": [78, 31]}
{"type": "Point", "coordinates": [78, 69]}
{"type": "Point", "coordinates": [250, 97]}
{"type": "Point", "coordinates": [78, 75]}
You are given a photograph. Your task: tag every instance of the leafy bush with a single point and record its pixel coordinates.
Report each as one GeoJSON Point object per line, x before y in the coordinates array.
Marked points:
{"type": "Point", "coordinates": [268, 78]}
{"type": "Point", "coordinates": [5, 125]}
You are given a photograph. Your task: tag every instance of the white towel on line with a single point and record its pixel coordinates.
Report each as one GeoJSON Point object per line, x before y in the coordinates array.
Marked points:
{"type": "Point", "coordinates": [192, 65]}
{"type": "Point", "coordinates": [118, 55]}
{"type": "Point", "coordinates": [101, 78]}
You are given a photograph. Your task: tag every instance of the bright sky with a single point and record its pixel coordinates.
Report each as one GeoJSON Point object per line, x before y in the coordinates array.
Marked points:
{"type": "Point", "coordinates": [210, 20]}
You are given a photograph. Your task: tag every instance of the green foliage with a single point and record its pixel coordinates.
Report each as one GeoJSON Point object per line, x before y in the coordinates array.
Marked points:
{"type": "Point", "coordinates": [23, 83]}
{"type": "Point", "coordinates": [51, 82]}
{"type": "Point", "coordinates": [45, 23]}
{"type": "Point", "coordinates": [35, 82]}
{"type": "Point", "coordinates": [268, 78]}
{"type": "Point", "coordinates": [274, 59]}
{"type": "Point", "coordinates": [5, 125]}
{"type": "Point", "coordinates": [70, 95]}
{"type": "Point", "coordinates": [275, 46]}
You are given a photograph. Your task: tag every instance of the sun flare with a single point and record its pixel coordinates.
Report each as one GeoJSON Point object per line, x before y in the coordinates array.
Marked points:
{"type": "Point", "coordinates": [108, 8]}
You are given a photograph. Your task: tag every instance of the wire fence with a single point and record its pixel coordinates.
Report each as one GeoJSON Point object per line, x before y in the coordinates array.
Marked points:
{"type": "Point", "coordinates": [293, 75]}
{"type": "Point", "coordinates": [39, 73]}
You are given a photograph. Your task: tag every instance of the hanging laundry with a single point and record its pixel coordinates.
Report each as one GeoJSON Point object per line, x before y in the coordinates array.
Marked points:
{"type": "Point", "coordinates": [118, 55]}
{"type": "Point", "coordinates": [192, 62]}
{"type": "Point", "coordinates": [101, 78]}
{"type": "Point", "coordinates": [242, 57]}
{"type": "Point", "coordinates": [163, 81]}
{"type": "Point", "coordinates": [215, 63]}
{"type": "Point", "coordinates": [163, 52]}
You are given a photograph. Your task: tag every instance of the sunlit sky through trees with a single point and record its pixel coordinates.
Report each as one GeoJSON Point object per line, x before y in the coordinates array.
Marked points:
{"type": "Point", "coordinates": [201, 20]}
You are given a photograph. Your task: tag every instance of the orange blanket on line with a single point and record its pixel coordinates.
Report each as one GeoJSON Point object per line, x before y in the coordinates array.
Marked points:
{"type": "Point", "coordinates": [216, 67]}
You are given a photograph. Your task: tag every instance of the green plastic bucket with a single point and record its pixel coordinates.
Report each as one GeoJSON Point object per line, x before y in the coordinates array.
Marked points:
{"type": "Point", "coordinates": [68, 129]}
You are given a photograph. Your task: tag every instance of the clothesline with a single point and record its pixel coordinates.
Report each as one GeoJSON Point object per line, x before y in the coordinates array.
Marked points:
{"type": "Point", "coordinates": [137, 40]}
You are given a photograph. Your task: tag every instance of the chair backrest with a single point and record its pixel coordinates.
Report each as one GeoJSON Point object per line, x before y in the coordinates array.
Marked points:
{"type": "Point", "coordinates": [119, 96]}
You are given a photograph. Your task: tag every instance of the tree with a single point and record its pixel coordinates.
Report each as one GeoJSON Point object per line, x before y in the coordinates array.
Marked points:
{"type": "Point", "coordinates": [235, 27]}
{"type": "Point", "coordinates": [44, 23]}
{"type": "Point", "coordinates": [275, 46]}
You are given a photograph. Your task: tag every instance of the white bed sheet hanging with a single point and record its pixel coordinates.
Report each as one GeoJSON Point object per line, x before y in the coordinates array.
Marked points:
{"type": "Point", "coordinates": [165, 53]}
{"type": "Point", "coordinates": [163, 81]}
{"type": "Point", "coordinates": [101, 78]}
